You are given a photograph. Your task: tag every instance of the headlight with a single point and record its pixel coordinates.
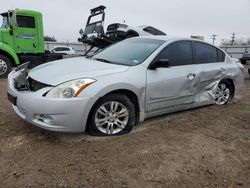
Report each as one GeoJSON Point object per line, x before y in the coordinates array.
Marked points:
{"type": "Point", "coordinates": [70, 89]}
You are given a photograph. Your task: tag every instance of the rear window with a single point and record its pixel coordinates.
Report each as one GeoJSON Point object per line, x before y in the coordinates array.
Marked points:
{"type": "Point", "coordinates": [153, 31]}
{"type": "Point", "coordinates": [26, 21]}
{"type": "Point", "coordinates": [61, 49]}
{"type": "Point", "coordinates": [246, 55]}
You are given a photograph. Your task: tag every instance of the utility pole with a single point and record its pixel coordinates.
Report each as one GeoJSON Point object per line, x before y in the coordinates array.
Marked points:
{"type": "Point", "coordinates": [233, 39]}
{"type": "Point", "coordinates": [214, 37]}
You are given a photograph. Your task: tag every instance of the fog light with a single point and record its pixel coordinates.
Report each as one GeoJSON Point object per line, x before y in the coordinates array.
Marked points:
{"type": "Point", "coordinates": [45, 119]}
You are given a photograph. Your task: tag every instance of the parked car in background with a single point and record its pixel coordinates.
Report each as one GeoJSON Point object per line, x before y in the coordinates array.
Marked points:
{"type": "Point", "coordinates": [124, 84]}
{"type": "Point", "coordinates": [63, 50]}
{"type": "Point", "coordinates": [120, 31]}
{"type": "Point", "coordinates": [245, 58]}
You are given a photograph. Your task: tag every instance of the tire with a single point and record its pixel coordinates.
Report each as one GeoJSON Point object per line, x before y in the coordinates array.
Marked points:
{"type": "Point", "coordinates": [5, 66]}
{"type": "Point", "coordinates": [249, 71]}
{"type": "Point", "coordinates": [113, 114]}
{"type": "Point", "coordinates": [224, 93]}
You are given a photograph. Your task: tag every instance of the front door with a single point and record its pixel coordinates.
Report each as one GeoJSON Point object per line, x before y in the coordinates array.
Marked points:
{"type": "Point", "coordinates": [172, 86]}
{"type": "Point", "coordinates": [26, 38]}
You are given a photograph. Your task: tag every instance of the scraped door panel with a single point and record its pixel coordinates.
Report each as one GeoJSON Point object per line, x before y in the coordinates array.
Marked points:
{"type": "Point", "coordinates": [170, 87]}
{"type": "Point", "coordinates": [210, 75]}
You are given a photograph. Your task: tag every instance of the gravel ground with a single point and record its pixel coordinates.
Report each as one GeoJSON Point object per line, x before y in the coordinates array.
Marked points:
{"type": "Point", "coordinates": [204, 147]}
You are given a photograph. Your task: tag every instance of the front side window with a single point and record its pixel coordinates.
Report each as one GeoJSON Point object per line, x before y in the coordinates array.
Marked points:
{"type": "Point", "coordinates": [178, 53]}
{"type": "Point", "coordinates": [205, 53]}
{"type": "Point", "coordinates": [129, 52]}
{"type": "Point", "coordinates": [25, 21]}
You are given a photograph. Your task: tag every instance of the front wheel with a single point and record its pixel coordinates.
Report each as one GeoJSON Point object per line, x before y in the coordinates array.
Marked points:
{"type": "Point", "coordinates": [112, 115]}
{"type": "Point", "coordinates": [5, 66]}
{"type": "Point", "coordinates": [224, 92]}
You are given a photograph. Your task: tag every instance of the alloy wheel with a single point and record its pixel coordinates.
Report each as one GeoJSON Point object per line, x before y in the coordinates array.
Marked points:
{"type": "Point", "coordinates": [111, 117]}
{"type": "Point", "coordinates": [3, 67]}
{"type": "Point", "coordinates": [222, 94]}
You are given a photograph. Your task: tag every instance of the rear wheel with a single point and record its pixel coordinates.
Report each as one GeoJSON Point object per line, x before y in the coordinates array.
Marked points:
{"type": "Point", "coordinates": [5, 66]}
{"type": "Point", "coordinates": [112, 115]}
{"type": "Point", "coordinates": [224, 92]}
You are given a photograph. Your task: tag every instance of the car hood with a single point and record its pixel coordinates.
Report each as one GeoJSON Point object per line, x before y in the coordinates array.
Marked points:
{"type": "Point", "coordinates": [60, 71]}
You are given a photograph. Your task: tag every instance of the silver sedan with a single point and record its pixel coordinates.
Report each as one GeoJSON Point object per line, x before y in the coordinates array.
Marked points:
{"type": "Point", "coordinates": [124, 84]}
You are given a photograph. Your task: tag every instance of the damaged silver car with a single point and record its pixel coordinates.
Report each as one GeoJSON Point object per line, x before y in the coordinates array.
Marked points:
{"type": "Point", "coordinates": [124, 84]}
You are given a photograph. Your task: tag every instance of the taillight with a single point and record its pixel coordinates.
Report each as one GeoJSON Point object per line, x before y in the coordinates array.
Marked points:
{"type": "Point", "coordinates": [242, 68]}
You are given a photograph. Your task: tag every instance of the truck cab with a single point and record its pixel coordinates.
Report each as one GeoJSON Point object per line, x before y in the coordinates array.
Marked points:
{"type": "Point", "coordinates": [21, 40]}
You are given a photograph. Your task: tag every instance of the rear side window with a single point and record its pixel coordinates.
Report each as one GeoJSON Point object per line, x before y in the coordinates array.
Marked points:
{"type": "Point", "coordinates": [178, 53]}
{"type": "Point", "coordinates": [221, 56]}
{"type": "Point", "coordinates": [205, 53]}
{"type": "Point", "coordinates": [26, 21]}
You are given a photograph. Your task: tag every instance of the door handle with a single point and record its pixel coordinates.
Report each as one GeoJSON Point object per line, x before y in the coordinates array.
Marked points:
{"type": "Point", "coordinates": [222, 69]}
{"type": "Point", "coordinates": [191, 76]}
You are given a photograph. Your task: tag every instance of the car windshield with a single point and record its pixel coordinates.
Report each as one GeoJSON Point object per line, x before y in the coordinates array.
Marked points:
{"type": "Point", "coordinates": [5, 22]}
{"type": "Point", "coordinates": [129, 52]}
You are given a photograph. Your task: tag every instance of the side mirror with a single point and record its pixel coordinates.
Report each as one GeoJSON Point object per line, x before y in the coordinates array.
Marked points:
{"type": "Point", "coordinates": [81, 32]}
{"type": "Point", "coordinates": [161, 63]}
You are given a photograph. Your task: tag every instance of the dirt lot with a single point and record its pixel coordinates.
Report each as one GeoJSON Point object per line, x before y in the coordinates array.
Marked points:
{"type": "Point", "coordinates": [205, 147]}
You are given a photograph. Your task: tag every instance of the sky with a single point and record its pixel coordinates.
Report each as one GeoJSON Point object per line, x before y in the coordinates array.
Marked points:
{"type": "Point", "coordinates": [64, 18]}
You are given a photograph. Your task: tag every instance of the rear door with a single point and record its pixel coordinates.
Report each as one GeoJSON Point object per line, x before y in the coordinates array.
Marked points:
{"type": "Point", "coordinates": [26, 38]}
{"type": "Point", "coordinates": [175, 85]}
{"type": "Point", "coordinates": [211, 66]}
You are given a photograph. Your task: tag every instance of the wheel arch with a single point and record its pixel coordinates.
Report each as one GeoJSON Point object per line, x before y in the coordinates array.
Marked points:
{"type": "Point", "coordinates": [10, 53]}
{"type": "Point", "coordinates": [128, 93]}
{"type": "Point", "coordinates": [231, 81]}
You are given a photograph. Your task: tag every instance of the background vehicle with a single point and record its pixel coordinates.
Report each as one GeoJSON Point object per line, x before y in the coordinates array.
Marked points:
{"type": "Point", "coordinates": [63, 50]}
{"type": "Point", "coordinates": [103, 95]}
{"type": "Point", "coordinates": [119, 31]}
{"type": "Point", "coordinates": [22, 40]}
{"type": "Point", "coordinates": [245, 58]}
{"type": "Point", "coordinates": [95, 36]}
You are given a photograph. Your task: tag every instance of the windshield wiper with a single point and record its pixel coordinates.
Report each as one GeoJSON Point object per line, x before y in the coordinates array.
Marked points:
{"type": "Point", "coordinates": [102, 60]}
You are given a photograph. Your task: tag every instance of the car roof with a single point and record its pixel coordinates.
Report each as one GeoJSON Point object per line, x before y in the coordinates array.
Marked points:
{"type": "Point", "coordinates": [172, 38]}
{"type": "Point", "coordinates": [167, 38]}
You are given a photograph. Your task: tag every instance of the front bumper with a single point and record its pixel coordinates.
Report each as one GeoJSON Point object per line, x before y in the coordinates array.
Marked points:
{"type": "Point", "coordinates": [63, 115]}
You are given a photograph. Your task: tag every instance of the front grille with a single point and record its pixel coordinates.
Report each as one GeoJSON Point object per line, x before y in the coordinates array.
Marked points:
{"type": "Point", "coordinates": [35, 85]}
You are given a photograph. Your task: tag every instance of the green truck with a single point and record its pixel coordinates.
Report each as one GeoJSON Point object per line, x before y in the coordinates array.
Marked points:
{"type": "Point", "coordinates": [22, 40]}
